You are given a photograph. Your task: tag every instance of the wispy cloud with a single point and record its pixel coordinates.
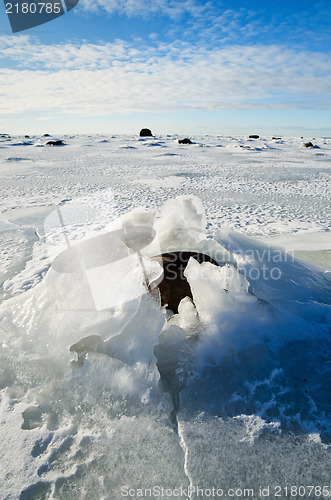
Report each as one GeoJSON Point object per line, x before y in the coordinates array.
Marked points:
{"type": "Point", "coordinates": [100, 79]}
{"type": "Point", "coordinates": [27, 52]}
{"type": "Point", "coordinates": [146, 8]}
{"type": "Point", "coordinates": [215, 20]}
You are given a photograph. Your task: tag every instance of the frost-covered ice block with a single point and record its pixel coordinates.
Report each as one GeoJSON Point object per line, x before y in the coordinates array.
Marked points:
{"type": "Point", "coordinates": [217, 290]}
{"type": "Point", "coordinates": [135, 344]}
{"type": "Point", "coordinates": [224, 306]}
{"type": "Point", "coordinates": [115, 272]}
{"type": "Point", "coordinates": [61, 310]}
{"type": "Point", "coordinates": [118, 282]}
{"type": "Point", "coordinates": [78, 219]}
{"type": "Point", "coordinates": [180, 226]}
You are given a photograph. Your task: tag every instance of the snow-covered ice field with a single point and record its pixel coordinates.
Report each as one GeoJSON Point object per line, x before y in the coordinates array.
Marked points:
{"type": "Point", "coordinates": [244, 401]}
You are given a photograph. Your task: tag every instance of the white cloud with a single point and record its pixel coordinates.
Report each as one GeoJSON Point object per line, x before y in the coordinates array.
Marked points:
{"type": "Point", "coordinates": [142, 8]}
{"type": "Point", "coordinates": [100, 79]}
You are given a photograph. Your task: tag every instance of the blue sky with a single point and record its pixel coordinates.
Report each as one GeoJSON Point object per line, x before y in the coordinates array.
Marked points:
{"type": "Point", "coordinates": [185, 66]}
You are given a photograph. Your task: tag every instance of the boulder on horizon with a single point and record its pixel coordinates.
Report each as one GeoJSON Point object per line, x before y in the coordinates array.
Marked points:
{"type": "Point", "coordinates": [54, 143]}
{"type": "Point", "coordinates": [46, 135]}
{"type": "Point", "coordinates": [253, 136]}
{"type": "Point", "coordinates": [185, 141]}
{"type": "Point", "coordinates": [145, 132]}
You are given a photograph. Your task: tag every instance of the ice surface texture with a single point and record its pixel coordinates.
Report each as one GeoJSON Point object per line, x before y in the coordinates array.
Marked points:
{"type": "Point", "coordinates": [247, 369]}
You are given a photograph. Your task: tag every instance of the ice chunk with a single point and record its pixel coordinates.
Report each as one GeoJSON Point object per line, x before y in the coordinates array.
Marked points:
{"type": "Point", "coordinates": [136, 342]}
{"type": "Point", "coordinates": [231, 317]}
{"type": "Point", "coordinates": [181, 225]}
{"type": "Point", "coordinates": [138, 217]}
{"type": "Point", "coordinates": [217, 289]}
{"type": "Point", "coordinates": [114, 272]}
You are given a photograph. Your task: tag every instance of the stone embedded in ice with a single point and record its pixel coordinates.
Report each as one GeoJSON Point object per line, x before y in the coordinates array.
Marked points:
{"type": "Point", "coordinates": [174, 286]}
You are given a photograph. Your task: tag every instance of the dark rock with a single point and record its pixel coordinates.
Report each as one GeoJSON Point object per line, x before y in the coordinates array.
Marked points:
{"type": "Point", "coordinates": [253, 136]}
{"type": "Point", "coordinates": [174, 286]}
{"type": "Point", "coordinates": [27, 137]}
{"type": "Point", "coordinates": [276, 138]}
{"type": "Point", "coordinates": [185, 141]}
{"type": "Point", "coordinates": [145, 132]}
{"type": "Point", "coordinates": [46, 135]}
{"type": "Point", "coordinates": [54, 143]}
{"type": "Point", "coordinates": [308, 145]}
